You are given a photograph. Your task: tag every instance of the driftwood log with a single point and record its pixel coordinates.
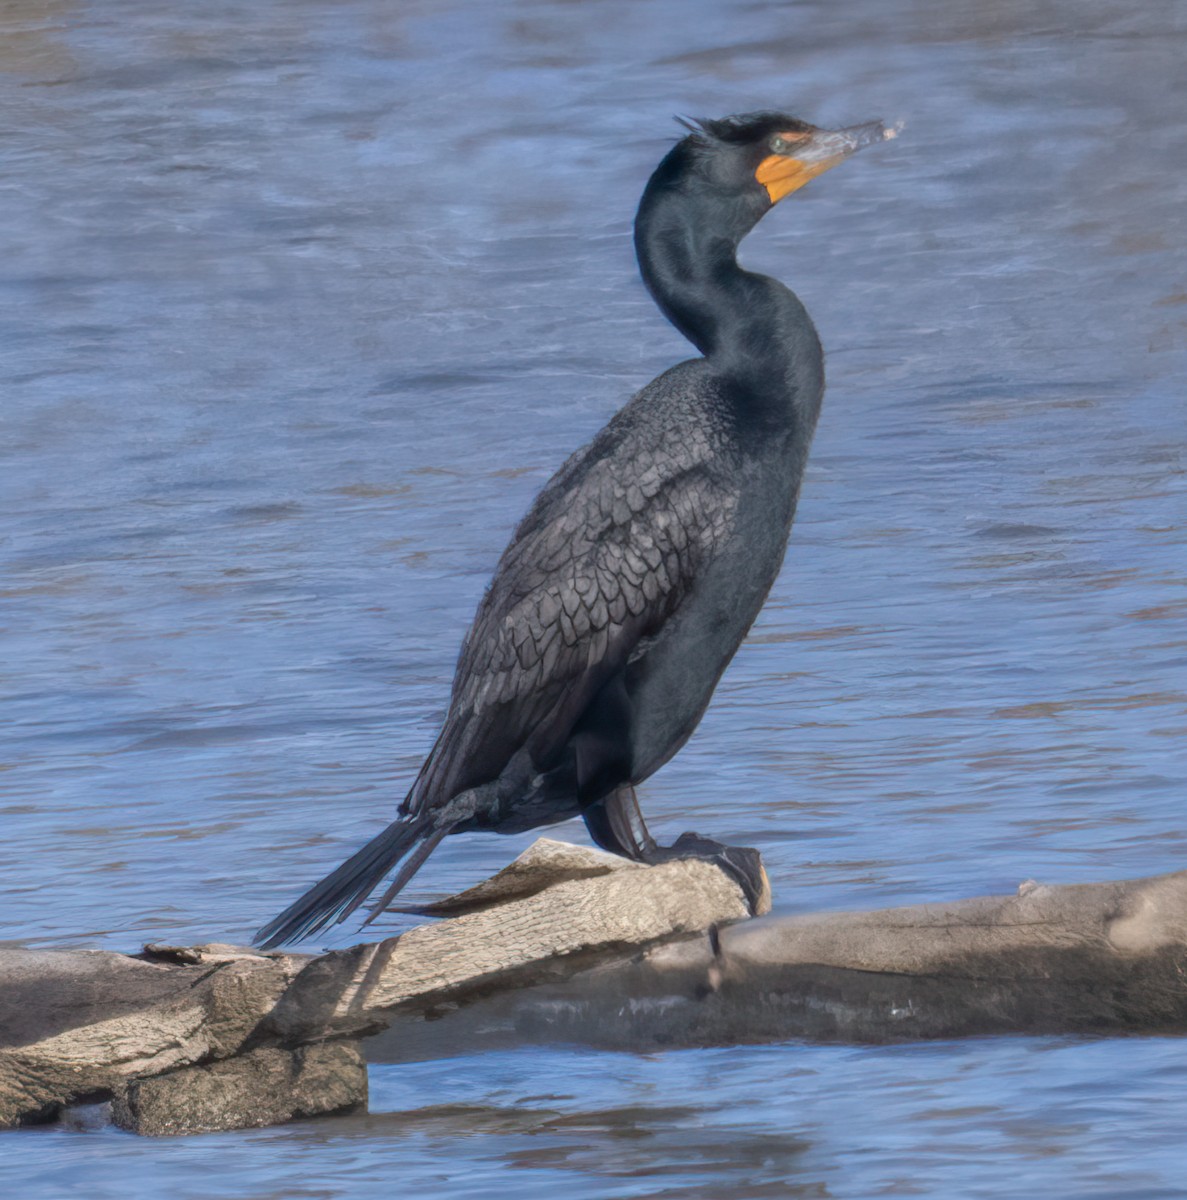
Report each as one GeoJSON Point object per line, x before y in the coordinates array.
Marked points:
{"type": "Point", "coordinates": [568, 944]}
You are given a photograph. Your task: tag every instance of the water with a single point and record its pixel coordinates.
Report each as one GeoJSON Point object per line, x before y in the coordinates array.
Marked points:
{"type": "Point", "coordinates": [304, 300]}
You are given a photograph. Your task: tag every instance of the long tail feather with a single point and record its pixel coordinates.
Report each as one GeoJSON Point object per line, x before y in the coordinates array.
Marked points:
{"type": "Point", "coordinates": [412, 864]}
{"type": "Point", "coordinates": [343, 890]}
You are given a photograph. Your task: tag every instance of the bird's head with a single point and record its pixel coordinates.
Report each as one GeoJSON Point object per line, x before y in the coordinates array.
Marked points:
{"type": "Point", "coordinates": [762, 157]}
{"type": "Point", "coordinates": [710, 190]}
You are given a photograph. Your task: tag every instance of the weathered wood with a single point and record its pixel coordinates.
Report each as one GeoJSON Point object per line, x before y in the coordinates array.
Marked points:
{"type": "Point", "coordinates": [92, 1025]}
{"type": "Point", "coordinates": [570, 944]}
{"type": "Point", "coordinates": [545, 934]}
{"type": "Point", "coordinates": [83, 1024]}
{"type": "Point", "coordinates": [1086, 958]}
{"type": "Point", "coordinates": [262, 1087]}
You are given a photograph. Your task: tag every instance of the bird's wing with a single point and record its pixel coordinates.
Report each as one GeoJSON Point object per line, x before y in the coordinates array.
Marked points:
{"type": "Point", "coordinates": [602, 559]}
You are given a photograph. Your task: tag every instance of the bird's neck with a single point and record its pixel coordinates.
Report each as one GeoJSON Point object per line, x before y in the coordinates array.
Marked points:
{"type": "Point", "coordinates": [752, 329]}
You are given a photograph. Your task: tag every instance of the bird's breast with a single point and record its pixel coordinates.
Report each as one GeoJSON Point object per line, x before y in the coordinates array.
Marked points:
{"type": "Point", "coordinates": [673, 674]}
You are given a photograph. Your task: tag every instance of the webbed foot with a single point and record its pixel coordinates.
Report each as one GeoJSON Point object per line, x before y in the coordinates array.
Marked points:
{"type": "Point", "coordinates": [616, 824]}
{"type": "Point", "coordinates": [741, 863]}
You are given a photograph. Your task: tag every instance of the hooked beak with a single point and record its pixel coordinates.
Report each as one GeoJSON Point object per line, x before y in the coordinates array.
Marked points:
{"type": "Point", "coordinates": [811, 154]}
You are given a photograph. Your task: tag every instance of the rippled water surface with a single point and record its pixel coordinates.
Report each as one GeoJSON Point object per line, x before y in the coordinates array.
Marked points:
{"type": "Point", "coordinates": [304, 300]}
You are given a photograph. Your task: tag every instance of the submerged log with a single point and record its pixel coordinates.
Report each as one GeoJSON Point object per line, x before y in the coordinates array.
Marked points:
{"type": "Point", "coordinates": [569, 944]}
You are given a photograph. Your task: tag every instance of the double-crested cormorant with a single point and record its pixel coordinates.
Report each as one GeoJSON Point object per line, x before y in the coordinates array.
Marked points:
{"type": "Point", "coordinates": [642, 564]}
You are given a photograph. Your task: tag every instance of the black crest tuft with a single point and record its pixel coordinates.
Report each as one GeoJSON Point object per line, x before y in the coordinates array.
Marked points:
{"type": "Point", "coordinates": [742, 128]}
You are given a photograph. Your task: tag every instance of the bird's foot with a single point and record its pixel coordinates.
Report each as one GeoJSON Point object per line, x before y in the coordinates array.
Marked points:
{"type": "Point", "coordinates": [741, 863]}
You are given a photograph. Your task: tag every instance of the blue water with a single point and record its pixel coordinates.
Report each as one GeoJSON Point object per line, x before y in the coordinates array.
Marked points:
{"type": "Point", "coordinates": [974, 1119]}
{"type": "Point", "coordinates": [303, 301]}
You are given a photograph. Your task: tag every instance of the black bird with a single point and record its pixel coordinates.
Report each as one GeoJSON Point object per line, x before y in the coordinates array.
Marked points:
{"type": "Point", "coordinates": [640, 567]}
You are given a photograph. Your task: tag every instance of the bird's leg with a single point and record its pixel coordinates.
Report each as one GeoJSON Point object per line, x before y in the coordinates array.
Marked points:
{"type": "Point", "coordinates": [616, 823]}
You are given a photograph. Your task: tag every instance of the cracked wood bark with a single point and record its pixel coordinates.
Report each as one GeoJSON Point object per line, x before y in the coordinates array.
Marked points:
{"type": "Point", "coordinates": [569, 944]}
{"type": "Point", "coordinates": [214, 1037]}
{"type": "Point", "coordinates": [1083, 958]}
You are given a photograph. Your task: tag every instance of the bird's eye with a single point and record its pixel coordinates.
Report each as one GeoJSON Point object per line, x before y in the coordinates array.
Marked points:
{"type": "Point", "coordinates": [780, 145]}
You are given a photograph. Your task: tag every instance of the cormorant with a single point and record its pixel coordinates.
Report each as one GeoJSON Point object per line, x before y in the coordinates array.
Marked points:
{"type": "Point", "coordinates": [641, 565]}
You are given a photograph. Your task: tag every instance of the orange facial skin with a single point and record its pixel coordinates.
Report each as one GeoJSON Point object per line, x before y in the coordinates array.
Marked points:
{"type": "Point", "coordinates": [783, 174]}
{"type": "Point", "coordinates": [802, 155]}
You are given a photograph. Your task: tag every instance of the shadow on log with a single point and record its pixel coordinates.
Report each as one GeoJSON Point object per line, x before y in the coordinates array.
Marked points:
{"type": "Point", "coordinates": [569, 944]}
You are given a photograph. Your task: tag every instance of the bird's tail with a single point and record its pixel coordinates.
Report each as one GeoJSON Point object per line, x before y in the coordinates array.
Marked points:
{"type": "Point", "coordinates": [343, 890]}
